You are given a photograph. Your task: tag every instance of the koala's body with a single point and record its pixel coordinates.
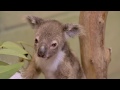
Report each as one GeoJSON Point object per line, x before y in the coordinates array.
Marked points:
{"type": "Point", "coordinates": [52, 55]}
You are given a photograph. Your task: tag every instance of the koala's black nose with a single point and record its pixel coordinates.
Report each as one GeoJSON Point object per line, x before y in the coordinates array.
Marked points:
{"type": "Point", "coordinates": [42, 51]}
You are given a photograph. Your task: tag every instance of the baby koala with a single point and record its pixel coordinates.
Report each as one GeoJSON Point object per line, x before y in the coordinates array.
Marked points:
{"type": "Point", "coordinates": [52, 55]}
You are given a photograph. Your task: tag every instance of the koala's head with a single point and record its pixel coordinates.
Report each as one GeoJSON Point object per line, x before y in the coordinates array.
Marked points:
{"type": "Point", "coordinates": [50, 35]}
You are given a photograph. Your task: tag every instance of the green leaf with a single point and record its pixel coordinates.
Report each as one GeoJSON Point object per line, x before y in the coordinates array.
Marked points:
{"type": "Point", "coordinates": [7, 71]}
{"type": "Point", "coordinates": [12, 52]}
{"type": "Point", "coordinates": [13, 46]}
{"type": "Point", "coordinates": [3, 63]}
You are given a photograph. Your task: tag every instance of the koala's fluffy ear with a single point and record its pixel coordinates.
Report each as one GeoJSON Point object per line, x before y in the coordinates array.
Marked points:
{"type": "Point", "coordinates": [34, 21]}
{"type": "Point", "coordinates": [72, 30]}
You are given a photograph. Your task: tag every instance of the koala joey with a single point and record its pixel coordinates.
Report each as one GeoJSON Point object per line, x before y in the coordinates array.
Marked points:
{"type": "Point", "coordinates": [52, 55]}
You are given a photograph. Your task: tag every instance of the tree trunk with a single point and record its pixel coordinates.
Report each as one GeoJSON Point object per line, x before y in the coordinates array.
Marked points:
{"type": "Point", "coordinates": [94, 56]}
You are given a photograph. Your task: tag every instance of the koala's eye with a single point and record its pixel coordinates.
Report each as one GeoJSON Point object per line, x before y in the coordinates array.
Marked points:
{"type": "Point", "coordinates": [54, 44]}
{"type": "Point", "coordinates": [36, 41]}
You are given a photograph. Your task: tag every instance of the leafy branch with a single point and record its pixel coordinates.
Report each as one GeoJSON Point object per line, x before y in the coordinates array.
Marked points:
{"type": "Point", "coordinates": [14, 49]}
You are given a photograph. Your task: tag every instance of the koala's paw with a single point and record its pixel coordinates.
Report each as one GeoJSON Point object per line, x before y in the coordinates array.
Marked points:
{"type": "Point", "coordinates": [27, 74]}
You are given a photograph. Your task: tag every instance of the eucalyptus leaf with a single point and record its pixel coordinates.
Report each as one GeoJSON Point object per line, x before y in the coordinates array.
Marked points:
{"type": "Point", "coordinates": [14, 46]}
{"type": "Point", "coordinates": [12, 52]}
{"type": "Point", "coordinates": [7, 71]}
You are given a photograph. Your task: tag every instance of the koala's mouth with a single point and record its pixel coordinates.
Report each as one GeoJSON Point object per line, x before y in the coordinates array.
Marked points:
{"type": "Point", "coordinates": [46, 57]}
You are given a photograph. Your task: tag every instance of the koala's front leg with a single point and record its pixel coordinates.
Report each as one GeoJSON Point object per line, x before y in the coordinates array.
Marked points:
{"type": "Point", "coordinates": [64, 71]}
{"type": "Point", "coordinates": [32, 72]}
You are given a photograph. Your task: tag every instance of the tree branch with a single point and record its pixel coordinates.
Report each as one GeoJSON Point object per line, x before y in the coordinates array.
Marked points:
{"type": "Point", "coordinates": [95, 57]}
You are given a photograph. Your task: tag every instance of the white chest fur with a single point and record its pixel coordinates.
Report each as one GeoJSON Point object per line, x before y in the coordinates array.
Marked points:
{"type": "Point", "coordinates": [50, 65]}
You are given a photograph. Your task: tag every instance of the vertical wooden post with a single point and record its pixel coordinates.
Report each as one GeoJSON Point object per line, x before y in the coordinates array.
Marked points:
{"type": "Point", "coordinates": [95, 57]}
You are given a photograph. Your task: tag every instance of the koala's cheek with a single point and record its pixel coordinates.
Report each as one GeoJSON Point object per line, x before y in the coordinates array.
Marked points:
{"type": "Point", "coordinates": [49, 54]}
{"type": "Point", "coordinates": [54, 52]}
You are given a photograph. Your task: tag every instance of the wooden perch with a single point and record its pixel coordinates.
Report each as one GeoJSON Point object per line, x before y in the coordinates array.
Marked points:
{"type": "Point", "coordinates": [94, 56]}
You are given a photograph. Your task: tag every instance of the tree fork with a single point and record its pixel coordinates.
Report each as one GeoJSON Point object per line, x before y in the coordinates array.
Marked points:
{"type": "Point", "coordinates": [94, 56]}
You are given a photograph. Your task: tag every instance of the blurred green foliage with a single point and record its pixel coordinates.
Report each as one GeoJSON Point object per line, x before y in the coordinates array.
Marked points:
{"type": "Point", "coordinates": [11, 48]}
